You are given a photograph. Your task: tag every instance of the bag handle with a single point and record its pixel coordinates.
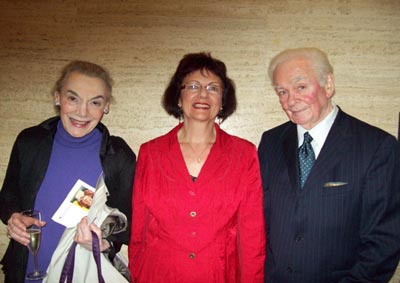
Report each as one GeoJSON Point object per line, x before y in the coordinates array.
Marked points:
{"type": "Point", "coordinates": [67, 272]}
{"type": "Point", "coordinates": [96, 255]}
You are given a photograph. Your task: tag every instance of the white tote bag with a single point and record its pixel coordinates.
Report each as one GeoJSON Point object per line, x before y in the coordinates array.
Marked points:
{"type": "Point", "coordinates": [85, 269]}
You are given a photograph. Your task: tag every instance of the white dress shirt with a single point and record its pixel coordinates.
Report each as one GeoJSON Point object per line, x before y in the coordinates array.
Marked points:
{"type": "Point", "coordinates": [319, 132]}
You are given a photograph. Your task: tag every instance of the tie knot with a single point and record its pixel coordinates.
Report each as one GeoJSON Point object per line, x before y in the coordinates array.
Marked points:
{"type": "Point", "coordinates": [307, 138]}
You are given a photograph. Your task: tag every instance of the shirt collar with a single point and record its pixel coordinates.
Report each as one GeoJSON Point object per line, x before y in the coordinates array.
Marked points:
{"type": "Point", "coordinates": [320, 131]}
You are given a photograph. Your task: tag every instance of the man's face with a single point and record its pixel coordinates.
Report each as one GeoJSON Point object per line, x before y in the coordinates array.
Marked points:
{"type": "Point", "coordinates": [305, 102]}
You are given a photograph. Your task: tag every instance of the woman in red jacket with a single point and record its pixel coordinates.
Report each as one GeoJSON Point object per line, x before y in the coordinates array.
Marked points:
{"type": "Point", "coordinates": [197, 205]}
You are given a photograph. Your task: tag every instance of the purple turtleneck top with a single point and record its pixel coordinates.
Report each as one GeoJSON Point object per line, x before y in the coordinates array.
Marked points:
{"type": "Point", "coordinates": [71, 159]}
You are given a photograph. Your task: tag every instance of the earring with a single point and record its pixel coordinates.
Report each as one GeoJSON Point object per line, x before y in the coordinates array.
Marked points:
{"type": "Point", "coordinates": [57, 103]}
{"type": "Point", "coordinates": [105, 110]}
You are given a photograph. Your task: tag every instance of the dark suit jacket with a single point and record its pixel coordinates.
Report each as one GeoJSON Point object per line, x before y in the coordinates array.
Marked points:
{"type": "Point", "coordinates": [344, 225]}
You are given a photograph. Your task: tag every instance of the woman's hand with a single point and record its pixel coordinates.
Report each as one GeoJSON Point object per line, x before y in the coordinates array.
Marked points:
{"type": "Point", "coordinates": [17, 224]}
{"type": "Point", "coordinates": [83, 235]}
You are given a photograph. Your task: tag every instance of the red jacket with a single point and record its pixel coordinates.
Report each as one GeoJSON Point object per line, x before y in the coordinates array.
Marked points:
{"type": "Point", "coordinates": [210, 230]}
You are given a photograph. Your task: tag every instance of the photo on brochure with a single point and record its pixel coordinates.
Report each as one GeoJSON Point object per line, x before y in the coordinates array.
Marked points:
{"type": "Point", "coordinates": [76, 205]}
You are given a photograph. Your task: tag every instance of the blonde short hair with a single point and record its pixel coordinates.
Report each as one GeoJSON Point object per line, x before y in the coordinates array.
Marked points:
{"type": "Point", "coordinates": [317, 57]}
{"type": "Point", "coordinates": [88, 69]}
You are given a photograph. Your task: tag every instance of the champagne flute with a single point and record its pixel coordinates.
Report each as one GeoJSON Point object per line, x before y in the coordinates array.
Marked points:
{"type": "Point", "coordinates": [35, 233]}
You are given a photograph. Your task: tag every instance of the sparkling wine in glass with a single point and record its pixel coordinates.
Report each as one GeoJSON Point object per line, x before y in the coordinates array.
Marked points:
{"type": "Point", "coordinates": [35, 233]}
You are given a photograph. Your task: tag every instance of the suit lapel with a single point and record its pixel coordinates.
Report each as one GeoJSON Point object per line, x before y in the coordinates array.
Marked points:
{"type": "Point", "coordinates": [336, 145]}
{"type": "Point", "coordinates": [290, 152]}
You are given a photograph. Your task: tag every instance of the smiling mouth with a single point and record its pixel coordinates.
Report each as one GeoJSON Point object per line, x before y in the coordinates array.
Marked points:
{"type": "Point", "coordinates": [201, 106]}
{"type": "Point", "coordinates": [79, 124]}
{"type": "Point", "coordinates": [296, 111]}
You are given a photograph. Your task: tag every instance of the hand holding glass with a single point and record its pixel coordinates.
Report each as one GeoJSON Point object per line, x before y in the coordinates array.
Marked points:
{"type": "Point", "coordinates": [35, 233]}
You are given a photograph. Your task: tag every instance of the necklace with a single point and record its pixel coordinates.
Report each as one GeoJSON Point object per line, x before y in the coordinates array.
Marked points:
{"type": "Point", "coordinates": [198, 155]}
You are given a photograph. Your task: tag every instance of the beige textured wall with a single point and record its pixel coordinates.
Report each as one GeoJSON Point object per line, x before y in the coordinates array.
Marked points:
{"type": "Point", "coordinates": [141, 43]}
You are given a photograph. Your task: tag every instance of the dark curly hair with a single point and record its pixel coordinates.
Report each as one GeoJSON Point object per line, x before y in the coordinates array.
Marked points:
{"type": "Point", "coordinates": [204, 62]}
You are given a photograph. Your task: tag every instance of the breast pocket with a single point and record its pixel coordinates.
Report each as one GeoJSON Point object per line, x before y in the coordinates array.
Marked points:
{"type": "Point", "coordinates": [335, 188]}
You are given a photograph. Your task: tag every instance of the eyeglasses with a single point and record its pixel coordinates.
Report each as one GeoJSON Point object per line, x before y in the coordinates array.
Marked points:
{"type": "Point", "coordinates": [195, 88]}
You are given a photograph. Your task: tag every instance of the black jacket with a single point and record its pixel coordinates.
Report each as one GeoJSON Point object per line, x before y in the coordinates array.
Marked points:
{"type": "Point", "coordinates": [25, 173]}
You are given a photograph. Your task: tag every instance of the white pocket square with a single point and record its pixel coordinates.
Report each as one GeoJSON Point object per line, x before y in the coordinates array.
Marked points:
{"type": "Point", "coordinates": [334, 184]}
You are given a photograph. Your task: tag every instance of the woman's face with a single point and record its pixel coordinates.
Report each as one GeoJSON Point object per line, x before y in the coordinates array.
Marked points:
{"type": "Point", "coordinates": [83, 101]}
{"type": "Point", "coordinates": [201, 96]}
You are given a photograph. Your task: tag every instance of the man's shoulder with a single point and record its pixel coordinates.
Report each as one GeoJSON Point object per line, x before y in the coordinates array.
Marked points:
{"type": "Point", "coordinates": [280, 131]}
{"type": "Point", "coordinates": [362, 128]}
{"type": "Point", "coordinates": [273, 139]}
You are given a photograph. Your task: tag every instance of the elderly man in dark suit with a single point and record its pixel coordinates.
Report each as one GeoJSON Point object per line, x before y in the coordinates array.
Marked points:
{"type": "Point", "coordinates": [331, 183]}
